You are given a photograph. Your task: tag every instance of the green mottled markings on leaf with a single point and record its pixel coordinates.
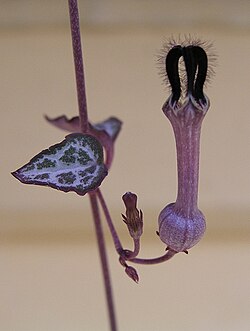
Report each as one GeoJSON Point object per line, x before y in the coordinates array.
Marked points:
{"type": "Point", "coordinates": [46, 163]}
{"type": "Point", "coordinates": [69, 155]}
{"type": "Point", "coordinates": [83, 157]}
{"type": "Point", "coordinates": [90, 169]}
{"type": "Point", "coordinates": [66, 178]}
{"type": "Point", "coordinates": [85, 179]}
{"type": "Point", "coordinates": [76, 164]}
{"type": "Point", "coordinates": [30, 167]}
{"type": "Point", "coordinates": [42, 176]}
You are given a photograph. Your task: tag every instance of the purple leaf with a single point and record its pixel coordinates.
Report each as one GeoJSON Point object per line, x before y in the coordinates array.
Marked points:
{"type": "Point", "coordinates": [111, 126]}
{"type": "Point", "coordinates": [75, 164]}
{"type": "Point", "coordinates": [62, 122]}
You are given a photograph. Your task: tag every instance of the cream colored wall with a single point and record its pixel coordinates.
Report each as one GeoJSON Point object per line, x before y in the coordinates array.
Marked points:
{"type": "Point", "coordinates": [119, 12]}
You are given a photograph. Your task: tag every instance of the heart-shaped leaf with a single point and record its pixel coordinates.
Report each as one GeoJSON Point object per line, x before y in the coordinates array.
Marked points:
{"type": "Point", "coordinates": [75, 164]}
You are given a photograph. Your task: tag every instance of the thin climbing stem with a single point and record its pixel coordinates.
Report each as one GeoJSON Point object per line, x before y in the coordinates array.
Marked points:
{"type": "Point", "coordinates": [78, 60]}
{"type": "Point", "coordinates": [116, 240]}
{"type": "Point", "coordinates": [104, 261]}
{"type": "Point", "coordinates": [83, 116]}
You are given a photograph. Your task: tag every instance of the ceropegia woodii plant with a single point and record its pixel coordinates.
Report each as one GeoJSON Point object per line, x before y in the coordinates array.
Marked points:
{"type": "Point", "coordinates": [78, 164]}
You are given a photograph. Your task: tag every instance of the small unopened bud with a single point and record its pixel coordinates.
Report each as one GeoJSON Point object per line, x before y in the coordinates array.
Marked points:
{"type": "Point", "coordinates": [132, 273]}
{"type": "Point", "coordinates": [134, 217]}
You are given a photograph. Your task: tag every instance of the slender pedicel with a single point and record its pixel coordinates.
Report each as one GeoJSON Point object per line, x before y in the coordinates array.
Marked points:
{"type": "Point", "coordinates": [182, 224]}
{"type": "Point", "coordinates": [170, 253]}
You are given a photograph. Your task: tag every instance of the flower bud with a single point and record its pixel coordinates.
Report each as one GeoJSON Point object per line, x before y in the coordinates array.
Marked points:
{"type": "Point", "coordinates": [132, 273]}
{"type": "Point", "coordinates": [134, 217]}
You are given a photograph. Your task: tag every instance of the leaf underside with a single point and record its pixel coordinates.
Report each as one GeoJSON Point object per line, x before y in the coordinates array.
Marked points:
{"type": "Point", "coordinates": [75, 164]}
{"type": "Point", "coordinates": [110, 126]}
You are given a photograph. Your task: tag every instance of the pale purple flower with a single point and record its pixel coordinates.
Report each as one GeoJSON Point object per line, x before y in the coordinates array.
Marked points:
{"type": "Point", "coordinates": [182, 224]}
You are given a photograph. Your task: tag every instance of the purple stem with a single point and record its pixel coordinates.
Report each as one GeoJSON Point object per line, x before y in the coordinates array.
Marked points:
{"type": "Point", "coordinates": [129, 255]}
{"type": "Point", "coordinates": [78, 60]}
{"type": "Point", "coordinates": [104, 261]}
{"type": "Point", "coordinates": [170, 253]}
{"type": "Point", "coordinates": [116, 240]}
{"type": "Point", "coordinates": [136, 248]}
{"type": "Point", "coordinates": [84, 126]}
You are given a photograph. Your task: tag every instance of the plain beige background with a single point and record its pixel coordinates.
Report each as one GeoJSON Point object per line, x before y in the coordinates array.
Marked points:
{"type": "Point", "coordinates": [50, 277]}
